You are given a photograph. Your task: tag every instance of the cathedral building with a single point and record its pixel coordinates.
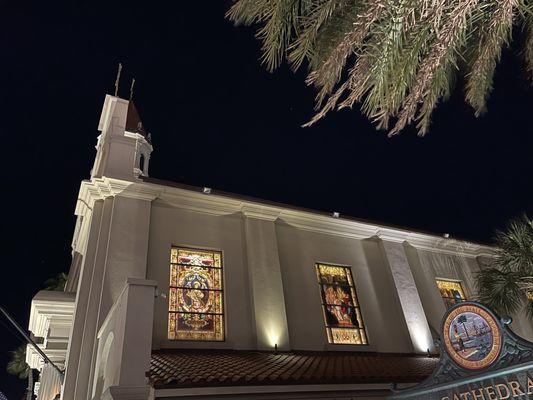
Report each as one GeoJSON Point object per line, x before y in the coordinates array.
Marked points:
{"type": "Point", "coordinates": [184, 292]}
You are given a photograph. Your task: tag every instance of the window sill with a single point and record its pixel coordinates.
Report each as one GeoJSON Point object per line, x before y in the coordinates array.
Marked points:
{"type": "Point", "coordinates": [187, 344]}
{"type": "Point", "coordinates": [351, 347]}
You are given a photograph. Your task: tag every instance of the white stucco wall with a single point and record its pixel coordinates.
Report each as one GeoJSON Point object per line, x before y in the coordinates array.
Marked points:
{"type": "Point", "coordinates": [298, 250]}
{"type": "Point", "coordinates": [169, 227]}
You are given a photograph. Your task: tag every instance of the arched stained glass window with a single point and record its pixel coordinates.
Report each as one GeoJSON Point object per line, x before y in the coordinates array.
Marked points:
{"type": "Point", "coordinates": [195, 301]}
{"type": "Point", "coordinates": [342, 313]}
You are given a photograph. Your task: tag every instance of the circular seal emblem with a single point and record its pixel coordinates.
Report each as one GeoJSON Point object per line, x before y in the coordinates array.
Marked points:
{"type": "Point", "coordinates": [472, 336]}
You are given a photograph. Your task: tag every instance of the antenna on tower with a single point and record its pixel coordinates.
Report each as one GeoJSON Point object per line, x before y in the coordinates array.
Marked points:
{"type": "Point", "coordinates": [131, 88]}
{"type": "Point", "coordinates": [117, 81]}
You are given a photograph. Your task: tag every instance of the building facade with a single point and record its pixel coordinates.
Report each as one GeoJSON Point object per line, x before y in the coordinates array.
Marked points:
{"type": "Point", "coordinates": [185, 292]}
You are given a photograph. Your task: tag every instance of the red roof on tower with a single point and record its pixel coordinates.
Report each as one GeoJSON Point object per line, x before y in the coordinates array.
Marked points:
{"type": "Point", "coordinates": [133, 120]}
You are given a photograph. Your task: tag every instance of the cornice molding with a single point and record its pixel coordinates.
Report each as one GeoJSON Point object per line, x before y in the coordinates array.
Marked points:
{"type": "Point", "coordinates": [218, 205]}
{"type": "Point", "coordinates": [36, 361]}
{"type": "Point", "coordinates": [102, 188]}
{"type": "Point", "coordinates": [328, 225]}
{"type": "Point", "coordinates": [262, 212]}
{"type": "Point", "coordinates": [435, 244]}
{"type": "Point", "coordinates": [47, 306]}
{"type": "Point", "coordinates": [199, 202]}
{"type": "Point", "coordinates": [315, 222]}
{"type": "Point", "coordinates": [50, 309]}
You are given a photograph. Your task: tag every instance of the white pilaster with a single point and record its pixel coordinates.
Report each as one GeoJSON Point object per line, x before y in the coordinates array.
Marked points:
{"type": "Point", "coordinates": [82, 298]}
{"type": "Point", "coordinates": [410, 302]}
{"type": "Point", "coordinates": [96, 282]}
{"type": "Point", "coordinates": [265, 279]}
{"type": "Point", "coordinates": [125, 344]}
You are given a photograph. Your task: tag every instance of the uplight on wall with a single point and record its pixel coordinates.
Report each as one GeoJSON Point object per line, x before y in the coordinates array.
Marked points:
{"type": "Point", "coordinates": [422, 340]}
{"type": "Point", "coordinates": [273, 337]}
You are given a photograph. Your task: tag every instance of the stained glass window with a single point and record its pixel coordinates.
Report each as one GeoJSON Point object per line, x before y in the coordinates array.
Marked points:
{"type": "Point", "coordinates": [451, 291]}
{"type": "Point", "coordinates": [342, 313]}
{"type": "Point", "coordinates": [195, 301]}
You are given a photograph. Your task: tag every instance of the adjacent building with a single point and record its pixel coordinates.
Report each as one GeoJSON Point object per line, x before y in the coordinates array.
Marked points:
{"type": "Point", "coordinates": [184, 292]}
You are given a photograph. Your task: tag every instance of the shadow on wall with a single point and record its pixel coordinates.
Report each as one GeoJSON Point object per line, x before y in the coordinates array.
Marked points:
{"type": "Point", "coordinates": [104, 377]}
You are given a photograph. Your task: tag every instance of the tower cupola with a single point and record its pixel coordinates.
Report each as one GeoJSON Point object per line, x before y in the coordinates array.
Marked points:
{"type": "Point", "coordinates": [124, 146]}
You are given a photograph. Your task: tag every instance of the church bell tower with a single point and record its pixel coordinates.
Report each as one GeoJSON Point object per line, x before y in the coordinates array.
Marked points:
{"type": "Point", "coordinates": [123, 147]}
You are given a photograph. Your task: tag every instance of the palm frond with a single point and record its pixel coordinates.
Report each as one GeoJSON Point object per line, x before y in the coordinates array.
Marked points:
{"type": "Point", "coordinates": [308, 27]}
{"type": "Point", "coordinates": [500, 290]}
{"type": "Point", "coordinates": [17, 364]}
{"type": "Point", "coordinates": [528, 45]}
{"type": "Point", "coordinates": [328, 74]}
{"type": "Point", "coordinates": [444, 52]}
{"type": "Point", "coordinates": [515, 247]}
{"type": "Point", "coordinates": [528, 308]}
{"type": "Point", "coordinates": [56, 283]}
{"type": "Point", "coordinates": [280, 21]}
{"type": "Point", "coordinates": [398, 58]}
{"type": "Point", "coordinates": [508, 284]}
{"type": "Point", "coordinates": [247, 12]}
{"type": "Point", "coordinates": [495, 34]}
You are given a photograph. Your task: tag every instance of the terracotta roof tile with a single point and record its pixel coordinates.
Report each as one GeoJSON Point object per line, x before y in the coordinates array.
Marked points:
{"type": "Point", "coordinates": [185, 368]}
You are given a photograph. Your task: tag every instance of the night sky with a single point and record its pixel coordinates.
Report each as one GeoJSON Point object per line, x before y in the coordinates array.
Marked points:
{"type": "Point", "coordinates": [218, 119]}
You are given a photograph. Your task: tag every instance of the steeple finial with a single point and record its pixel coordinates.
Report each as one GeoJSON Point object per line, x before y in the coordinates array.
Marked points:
{"type": "Point", "coordinates": [131, 88]}
{"type": "Point", "coordinates": [117, 81]}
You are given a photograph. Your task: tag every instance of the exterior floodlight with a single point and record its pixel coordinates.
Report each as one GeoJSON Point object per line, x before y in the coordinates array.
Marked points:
{"type": "Point", "coordinates": [446, 235]}
{"type": "Point", "coordinates": [206, 190]}
{"type": "Point", "coordinates": [336, 214]}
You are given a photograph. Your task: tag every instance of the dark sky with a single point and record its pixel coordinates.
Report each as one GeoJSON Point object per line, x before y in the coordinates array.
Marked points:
{"type": "Point", "coordinates": [218, 119]}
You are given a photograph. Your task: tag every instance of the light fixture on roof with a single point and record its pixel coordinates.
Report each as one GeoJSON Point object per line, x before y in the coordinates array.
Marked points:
{"type": "Point", "coordinates": [336, 214]}
{"type": "Point", "coordinates": [446, 236]}
{"type": "Point", "coordinates": [206, 190]}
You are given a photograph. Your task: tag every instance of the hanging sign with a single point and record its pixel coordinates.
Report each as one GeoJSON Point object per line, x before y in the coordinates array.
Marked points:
{"type": "Point", "coordinates": [481, 359]}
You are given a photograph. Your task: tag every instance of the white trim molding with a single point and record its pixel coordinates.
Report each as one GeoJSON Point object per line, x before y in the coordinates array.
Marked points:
{"type": "Point", "coordinates": [102, 188]}
{"type": "Point", "coordinates": [270, 389]}
{"type": "Point", "coordinates": [215, 204]}
{"type": "Point", "coordinates": [312, 221]}
{"type": "Point", "coordinates": [51, 312]}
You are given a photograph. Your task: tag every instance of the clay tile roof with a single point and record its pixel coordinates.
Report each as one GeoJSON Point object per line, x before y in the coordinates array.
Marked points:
{"type": "Point", "coordinates": [185, 368]}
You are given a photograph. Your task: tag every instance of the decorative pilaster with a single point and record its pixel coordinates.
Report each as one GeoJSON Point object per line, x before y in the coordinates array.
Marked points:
{"type": "Point", "coordinates": [410, 301]}
{"type": "Point", "coordinates": [265, 279]}
{"type": "Point", "coordinates": [82, 300]}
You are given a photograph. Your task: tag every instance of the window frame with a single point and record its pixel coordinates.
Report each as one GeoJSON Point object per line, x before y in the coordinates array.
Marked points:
{"type": "Point", "coordinates": [446, 299]}
{"type": "Point", "coordinates": [361, 330]}
{"type": "Point", "coordinates": [221, 314]}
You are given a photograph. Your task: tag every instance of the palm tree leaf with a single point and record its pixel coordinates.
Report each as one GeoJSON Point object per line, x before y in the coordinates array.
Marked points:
{"type": "Point", "coordinates": [495, 34]}
{"type": "Point", "coordinates": [399, 58]}
{"type": "Point", "coordinates": [17, 365]}
{"type": "Point", "coordinates": [500, 290]}
{"type": "Point", "coordinates": [57, 283]}
{"type": "Point", "coordinates": [528, 46]}
{"type": "Point", "coordinates": [515, 247]}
